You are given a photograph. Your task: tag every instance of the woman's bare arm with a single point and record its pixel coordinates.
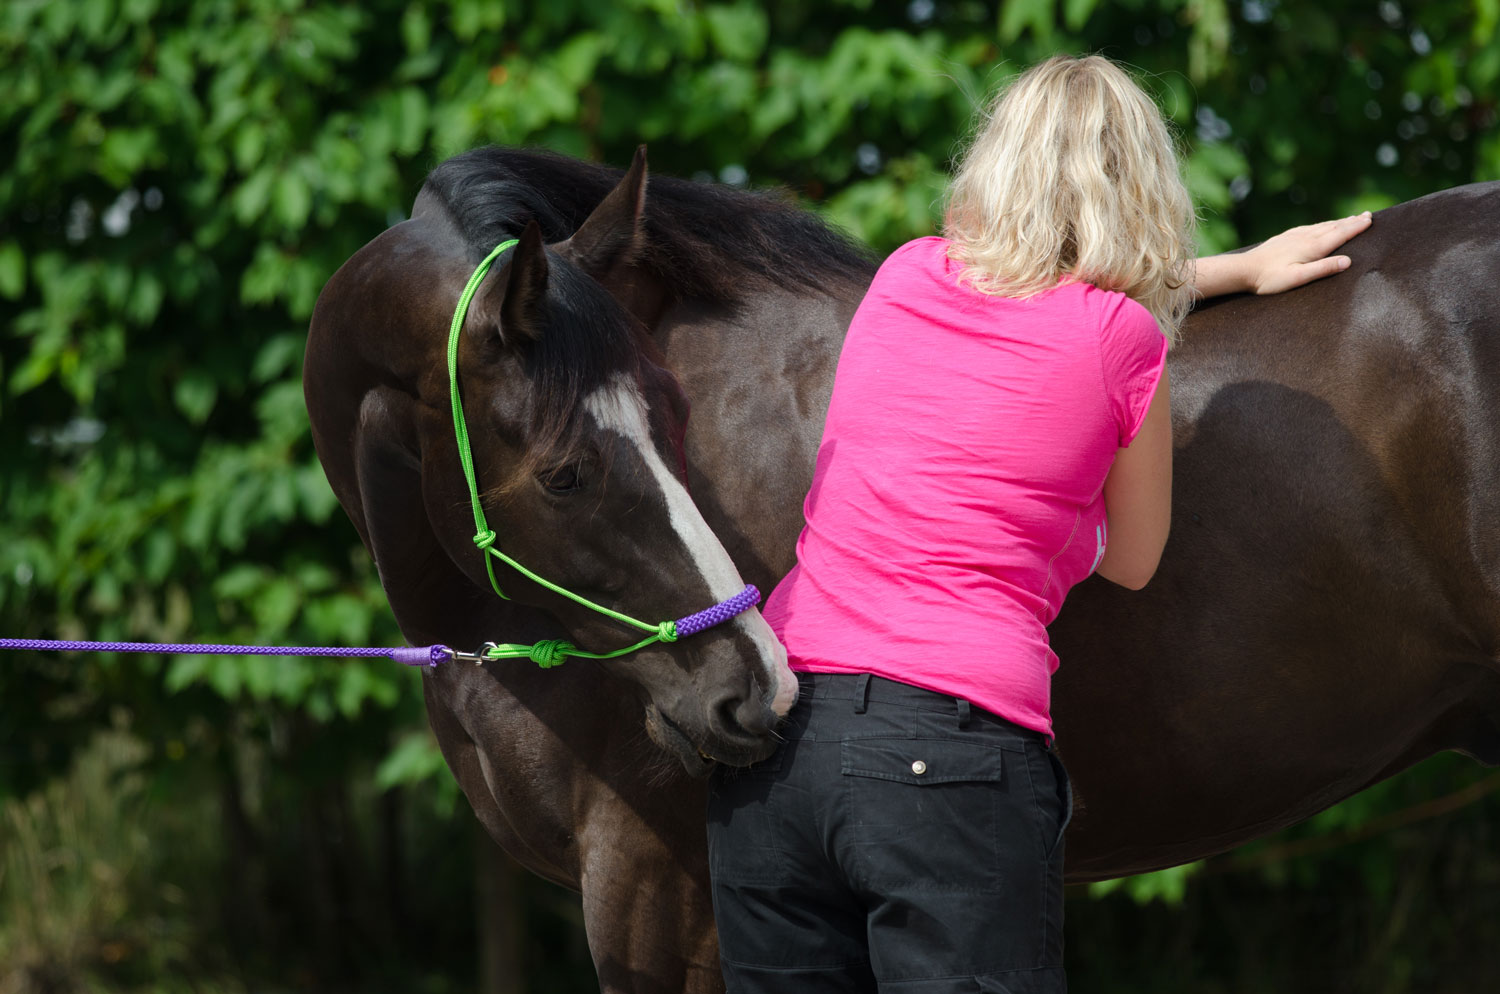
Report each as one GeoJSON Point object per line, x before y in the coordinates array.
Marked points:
{"type": "Point", "coordinates": [1138, 497]}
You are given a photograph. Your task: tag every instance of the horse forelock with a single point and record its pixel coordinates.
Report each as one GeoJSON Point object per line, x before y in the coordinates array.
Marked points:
{"type": "Point", "coordinates": [588, 344]}
{"type": "Point", "coordinates": [703, 241]}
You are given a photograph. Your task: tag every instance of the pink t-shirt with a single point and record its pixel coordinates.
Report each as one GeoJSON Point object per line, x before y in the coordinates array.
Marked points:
{"type": "Point", "coordinates": [957, 495]}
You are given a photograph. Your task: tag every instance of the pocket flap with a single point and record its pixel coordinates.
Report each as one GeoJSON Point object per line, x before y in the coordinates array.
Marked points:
{"type": "Point", "coordinates": [921, 761]}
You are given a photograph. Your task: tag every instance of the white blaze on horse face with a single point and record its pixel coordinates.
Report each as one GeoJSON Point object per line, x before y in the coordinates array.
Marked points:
{"type": "Point", "coordinates": [619, 407]}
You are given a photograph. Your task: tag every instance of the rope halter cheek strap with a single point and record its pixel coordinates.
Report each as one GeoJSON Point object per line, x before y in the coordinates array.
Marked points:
{"type": "Point", "coordinates": [552, 652]}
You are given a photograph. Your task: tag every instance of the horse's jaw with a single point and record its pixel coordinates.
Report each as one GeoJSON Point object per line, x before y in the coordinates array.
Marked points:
{"type": "Point", "coordinates": [665, 733]}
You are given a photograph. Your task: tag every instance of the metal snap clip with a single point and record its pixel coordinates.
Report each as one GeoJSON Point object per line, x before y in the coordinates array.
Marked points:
{"type": "Point", "coordinates": [918, 767]}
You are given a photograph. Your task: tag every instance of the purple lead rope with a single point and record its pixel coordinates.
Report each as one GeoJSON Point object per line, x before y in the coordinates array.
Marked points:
{"type": "Point", "coordinates": [427, 655]}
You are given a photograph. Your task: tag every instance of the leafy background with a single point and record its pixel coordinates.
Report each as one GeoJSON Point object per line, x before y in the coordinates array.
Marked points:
{"type": "Point", "coordinates": [178, 181]}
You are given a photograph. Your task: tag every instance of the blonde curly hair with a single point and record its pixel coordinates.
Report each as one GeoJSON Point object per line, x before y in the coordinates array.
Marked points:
{"type": "Point", "coordinates": [1073, 175]}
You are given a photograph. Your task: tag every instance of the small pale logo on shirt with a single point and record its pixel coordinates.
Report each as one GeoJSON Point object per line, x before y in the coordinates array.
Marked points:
{"type": "Point", "coordinates": [1101, 538]}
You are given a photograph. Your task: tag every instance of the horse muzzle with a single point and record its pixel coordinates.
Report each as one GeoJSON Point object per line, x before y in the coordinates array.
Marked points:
{"type": "Point", "coordinates": [727, 740]}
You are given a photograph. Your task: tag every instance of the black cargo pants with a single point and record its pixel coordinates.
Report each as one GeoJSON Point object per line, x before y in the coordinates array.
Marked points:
{"type": "Point", "coordinates": [899, 841]}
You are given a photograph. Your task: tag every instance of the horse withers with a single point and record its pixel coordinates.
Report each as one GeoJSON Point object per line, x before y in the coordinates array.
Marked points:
{"type": "Point", "coordinates": [1325, 614]}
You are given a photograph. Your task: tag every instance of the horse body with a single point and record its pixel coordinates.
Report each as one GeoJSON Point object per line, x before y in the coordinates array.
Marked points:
{"type": "Point", "coordinates": [1325, 613]}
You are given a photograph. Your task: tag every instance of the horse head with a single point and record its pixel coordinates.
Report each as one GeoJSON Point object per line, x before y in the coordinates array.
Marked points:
{"type": "Point", "coordinates": [576, 428]}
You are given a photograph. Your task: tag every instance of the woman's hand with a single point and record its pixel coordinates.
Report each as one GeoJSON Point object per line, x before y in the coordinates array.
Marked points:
{"type": "Point", "coordinates": [1292, 258]}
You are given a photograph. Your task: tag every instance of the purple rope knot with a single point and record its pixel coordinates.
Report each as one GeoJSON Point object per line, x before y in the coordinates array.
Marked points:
{"type": "Point", "coordinates": [719, 613]}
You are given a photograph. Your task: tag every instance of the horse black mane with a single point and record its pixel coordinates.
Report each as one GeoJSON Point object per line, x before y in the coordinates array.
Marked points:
{"type": "Point", "coordinates": [705, 241]}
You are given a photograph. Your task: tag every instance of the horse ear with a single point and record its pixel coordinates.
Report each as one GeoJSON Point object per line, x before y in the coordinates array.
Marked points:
{"type": "Point", "coordinates": [520, 303]}
{"type": "Point", "coordinates": [520, 313]}
{"type": "Point", "coordinates": [613, 234]}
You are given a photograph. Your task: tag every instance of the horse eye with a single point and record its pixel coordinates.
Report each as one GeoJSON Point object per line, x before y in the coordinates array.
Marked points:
{"type": "Point", "coordinates": [562, 480]}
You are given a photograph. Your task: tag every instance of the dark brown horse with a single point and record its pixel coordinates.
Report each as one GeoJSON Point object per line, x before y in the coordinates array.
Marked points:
{"type": "Point", "coordinates": [1326, 614]}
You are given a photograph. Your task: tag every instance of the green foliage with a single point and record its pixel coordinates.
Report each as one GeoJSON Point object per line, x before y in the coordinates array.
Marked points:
{"type": "Point", "coordinates": [184, 177]}
{"type": "Point", "coordinates": [1169, 885]}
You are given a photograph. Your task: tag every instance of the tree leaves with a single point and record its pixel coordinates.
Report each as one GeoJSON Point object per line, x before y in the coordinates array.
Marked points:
{"type": "Point", "coordinates": [12, 270]}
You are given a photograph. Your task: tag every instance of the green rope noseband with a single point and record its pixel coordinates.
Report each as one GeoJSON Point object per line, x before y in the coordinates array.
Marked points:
{"type": "Point", "coordinates": [551, 652]}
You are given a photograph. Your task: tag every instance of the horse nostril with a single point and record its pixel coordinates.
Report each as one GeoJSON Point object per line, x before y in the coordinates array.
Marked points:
{"type": "Point", "coordinates": [737, 717]}
{"type": "Point", "coordinates": [724, 714]}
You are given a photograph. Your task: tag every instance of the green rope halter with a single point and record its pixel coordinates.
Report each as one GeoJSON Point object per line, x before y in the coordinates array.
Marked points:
{"type": "Point", "coordinates": [550, 652]}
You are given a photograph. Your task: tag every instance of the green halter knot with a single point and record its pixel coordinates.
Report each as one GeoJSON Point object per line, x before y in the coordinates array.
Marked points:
{"type": "Point", "coordinates": [549, 652]}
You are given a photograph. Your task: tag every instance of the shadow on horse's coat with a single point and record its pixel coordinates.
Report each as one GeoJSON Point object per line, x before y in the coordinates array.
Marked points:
{"type": "Point", "coordinates": [1326, 612]}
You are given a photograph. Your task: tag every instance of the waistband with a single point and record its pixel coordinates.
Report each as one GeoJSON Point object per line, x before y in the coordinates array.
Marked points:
{"type": "Point", "coordinates": [862, 689]}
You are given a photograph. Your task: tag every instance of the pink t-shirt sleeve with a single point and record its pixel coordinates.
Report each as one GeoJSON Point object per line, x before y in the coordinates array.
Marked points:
{"type": "Point", "coordinates": [1133, 352]}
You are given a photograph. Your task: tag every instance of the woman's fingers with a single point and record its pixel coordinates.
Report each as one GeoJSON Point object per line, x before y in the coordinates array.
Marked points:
{"type": "Point", "coordinates": [1301, 255]}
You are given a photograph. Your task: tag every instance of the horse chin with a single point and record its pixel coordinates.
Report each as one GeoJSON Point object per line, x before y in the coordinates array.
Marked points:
{"type": "Point", "coordinates": [698, 760]}
{"type": "Point", "coordinates": [665, 733]}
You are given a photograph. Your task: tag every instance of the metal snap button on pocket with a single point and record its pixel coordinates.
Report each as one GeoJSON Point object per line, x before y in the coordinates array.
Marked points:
{"type": "Point", "coordinates": [918, 767]}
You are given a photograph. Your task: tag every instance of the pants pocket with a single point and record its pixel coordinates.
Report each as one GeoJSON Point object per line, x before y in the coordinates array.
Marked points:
{"type": "Point", "coordinates": [921, 762]}
{"type": "Point", "coordinates": [941, 839]}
